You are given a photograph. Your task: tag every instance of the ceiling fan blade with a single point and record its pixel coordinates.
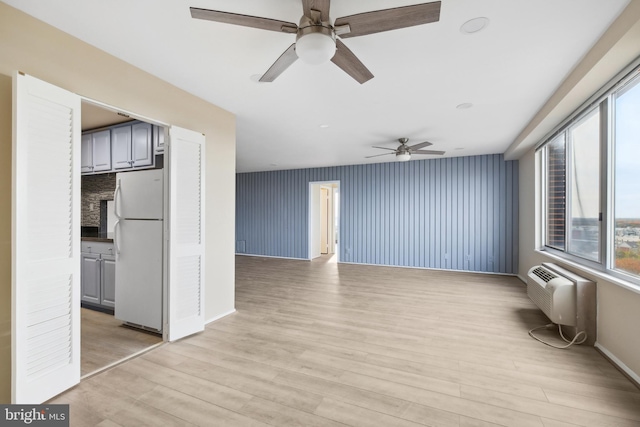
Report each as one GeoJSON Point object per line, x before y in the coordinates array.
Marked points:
{"type": "Point", "coordinates": [350, 64]}
{"type": "Point", "coordinates": [419, 146]}
{"type": "Point", "coordinates": [389, 19]}
{"type": "Point", "coordinates": [385, 148]}
{"type": "Point", "coordinates": [427, 152]}
{"type": "Point", "coordinates": [378, 155]}
{"type": "Point", "coordinates": [282, 63]}
{"type": "Point", "coordinates": [320, 5]}
{"type": "Point", "coordinates": [244, 20]}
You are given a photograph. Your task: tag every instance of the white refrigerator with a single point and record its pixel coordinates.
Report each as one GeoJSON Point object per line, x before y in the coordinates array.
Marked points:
{"type": "Point", "coordinates": [138, 231]}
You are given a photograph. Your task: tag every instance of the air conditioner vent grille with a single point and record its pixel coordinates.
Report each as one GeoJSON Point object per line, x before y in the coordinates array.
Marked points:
{"type": "Point", "coordinates": [544, 274]}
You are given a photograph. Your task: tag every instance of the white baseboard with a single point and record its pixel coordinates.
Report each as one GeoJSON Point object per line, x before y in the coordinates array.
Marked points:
{"type": "Point", "coordinates": [624, 368]}
{"type": "Point", "coordinates": [429, 268]}
{"type": "Point", "coordinates": [213, 319]}
{"type": "Point", "coordinates": [269, 256]}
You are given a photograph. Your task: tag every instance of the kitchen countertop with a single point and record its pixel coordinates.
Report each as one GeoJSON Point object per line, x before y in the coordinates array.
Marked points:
{"type": "Point", "coordinates": [96, 239]}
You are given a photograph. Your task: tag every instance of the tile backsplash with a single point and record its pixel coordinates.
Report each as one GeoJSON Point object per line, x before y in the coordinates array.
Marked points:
{"type": "Point", "coordinates": [94, 189]}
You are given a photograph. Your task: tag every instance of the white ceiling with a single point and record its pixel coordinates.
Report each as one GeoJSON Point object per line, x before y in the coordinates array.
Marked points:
{"type": "Point", "coordinates": [507, 71]}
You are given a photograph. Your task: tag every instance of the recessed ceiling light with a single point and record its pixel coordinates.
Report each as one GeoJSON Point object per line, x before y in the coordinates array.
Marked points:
{"type": "Point", "coordinates": [474, 25]}
{"type": "Point", "coordinates": [256, 78]}
{"type": "Point", "coordinates": [324, 126]}
{"type": "Point", "coordinates": [464, 106]}
{"type": "Point", "coordinates": [459, 148]}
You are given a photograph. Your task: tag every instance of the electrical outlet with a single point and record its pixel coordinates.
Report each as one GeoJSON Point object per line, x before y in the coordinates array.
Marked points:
{"type": "Point", "coordinates": [490, 258]}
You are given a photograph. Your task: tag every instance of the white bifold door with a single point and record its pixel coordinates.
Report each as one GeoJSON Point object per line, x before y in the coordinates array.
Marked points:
{"type": "Point", "coordinates": [186, 233]}
{"type": "Point", "coordinates": [45, 335]}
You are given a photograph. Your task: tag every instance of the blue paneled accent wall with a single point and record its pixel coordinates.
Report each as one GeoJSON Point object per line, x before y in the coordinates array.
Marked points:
{"type": "Point", "coordinates": [454, 213]}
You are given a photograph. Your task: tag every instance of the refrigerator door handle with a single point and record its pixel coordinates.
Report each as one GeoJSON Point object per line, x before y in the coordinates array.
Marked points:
{"type": "Point", "coordinates": [116, 227]}
{"type": "Point", "coordinates": [115, 202]}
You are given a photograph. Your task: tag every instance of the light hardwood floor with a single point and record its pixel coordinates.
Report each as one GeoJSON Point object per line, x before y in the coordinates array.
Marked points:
{"type": "Point", "coordinates": [325, 344]}
{"type": "Point", "coordinates": [105, 341]}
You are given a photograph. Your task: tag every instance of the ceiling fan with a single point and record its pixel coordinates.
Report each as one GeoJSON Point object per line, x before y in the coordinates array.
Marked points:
{"type": "Point", "coordinates": [317, 38]}
{"type": "Point", "coordinates": [403, 152]}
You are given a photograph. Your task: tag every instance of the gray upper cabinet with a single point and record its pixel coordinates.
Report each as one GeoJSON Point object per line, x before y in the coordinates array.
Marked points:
{"type": "Point", "coordinates": [132, 146]}
{"type": "Point", "coordinates": [121, 147]}
{"type": "Point", "coordinates": [96, 152]}
{"type": "Point", "coordinates": [101, 144]}
{"type": "Point", "coordinates": [86, 159]}
{"type": "Point", "coordinates": [142, 145]}
{"type": "Point", "coordinates": [158, 139]}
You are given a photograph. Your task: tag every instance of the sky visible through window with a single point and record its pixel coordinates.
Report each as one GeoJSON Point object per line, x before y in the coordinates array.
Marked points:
{"type": "Point", "coordinates": [627, 179]}
{"type": "Point", "coordinates": [627, 170]}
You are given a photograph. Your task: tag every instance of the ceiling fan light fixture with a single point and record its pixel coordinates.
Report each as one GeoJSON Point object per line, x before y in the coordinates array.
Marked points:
{"type": "Point", "coordinates": [316, 47]}
{"type": "Point", "coordinates": [403, 157]}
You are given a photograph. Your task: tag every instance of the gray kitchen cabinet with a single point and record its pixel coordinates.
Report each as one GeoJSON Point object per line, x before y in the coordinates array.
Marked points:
{"type": "Point", "coordinates": [90, 278]}
{"type": "Point", "coordinates": [158, 139]}
{"type": "Point", "coordinates": [98, 274]}
{"type": "Point", "coordinates": [108, 296]}
{"type": "Point", "coordinates": [86, 158]}
{"type": "Point", "coordinates": [96, 152]}
{"type": "Point", "coordinates": [121, 147]}
{"type": "Point", "coordinates": [101, 142]}
{"type": "Point", "coordinates": [141, 145]}
{"type": "Point", "coordinates": [132, 146]}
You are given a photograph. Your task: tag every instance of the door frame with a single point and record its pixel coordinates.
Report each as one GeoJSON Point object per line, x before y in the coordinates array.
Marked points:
{"type": "Point", "coordinates": [165, 175]}
{"type": "Point", "coordinates": [313, 222]}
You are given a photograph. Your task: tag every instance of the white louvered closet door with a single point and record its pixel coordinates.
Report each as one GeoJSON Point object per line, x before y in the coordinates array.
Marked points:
{"type": "Point", "coordinates": [46, 241]}
{"type": "Point", "coordinates": [186, 233]}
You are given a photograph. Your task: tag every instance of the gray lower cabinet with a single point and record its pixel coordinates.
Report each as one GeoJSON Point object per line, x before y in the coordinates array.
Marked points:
{"type": "Point", "coordinates": [98, 274]}
{"type": "Point", "coordinates": [90, 278]}
{"type": "Point", "coordinates": [108, 295]}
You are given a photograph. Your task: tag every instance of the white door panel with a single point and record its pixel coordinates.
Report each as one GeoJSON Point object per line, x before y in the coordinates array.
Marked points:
{"type": "Point", "coordinates": [186, 239]}
{"type": "Point", "coordinates": [45, 241]}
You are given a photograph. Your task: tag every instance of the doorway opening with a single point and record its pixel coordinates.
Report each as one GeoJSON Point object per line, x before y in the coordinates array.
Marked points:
{"type": "Point", "coordinates": [115, 145]}
{"type": "Point", "coordinates": [324, 219]}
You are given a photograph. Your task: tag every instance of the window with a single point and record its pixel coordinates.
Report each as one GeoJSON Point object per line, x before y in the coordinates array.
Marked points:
{"type": "Point", "coordinates": [584, 203]}
{"type": "Point", "coordinates": [556, 192]}
{"type": "Point", "coordinates": [626, 205]}
{"type": "Point", "coordinates": [591, 183]}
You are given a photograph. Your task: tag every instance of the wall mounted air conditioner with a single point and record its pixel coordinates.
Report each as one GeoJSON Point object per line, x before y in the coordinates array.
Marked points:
{"type": "Point", "coordinates": [566, 298]}
{"type": "Point", "coordinates": [555, 295]}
